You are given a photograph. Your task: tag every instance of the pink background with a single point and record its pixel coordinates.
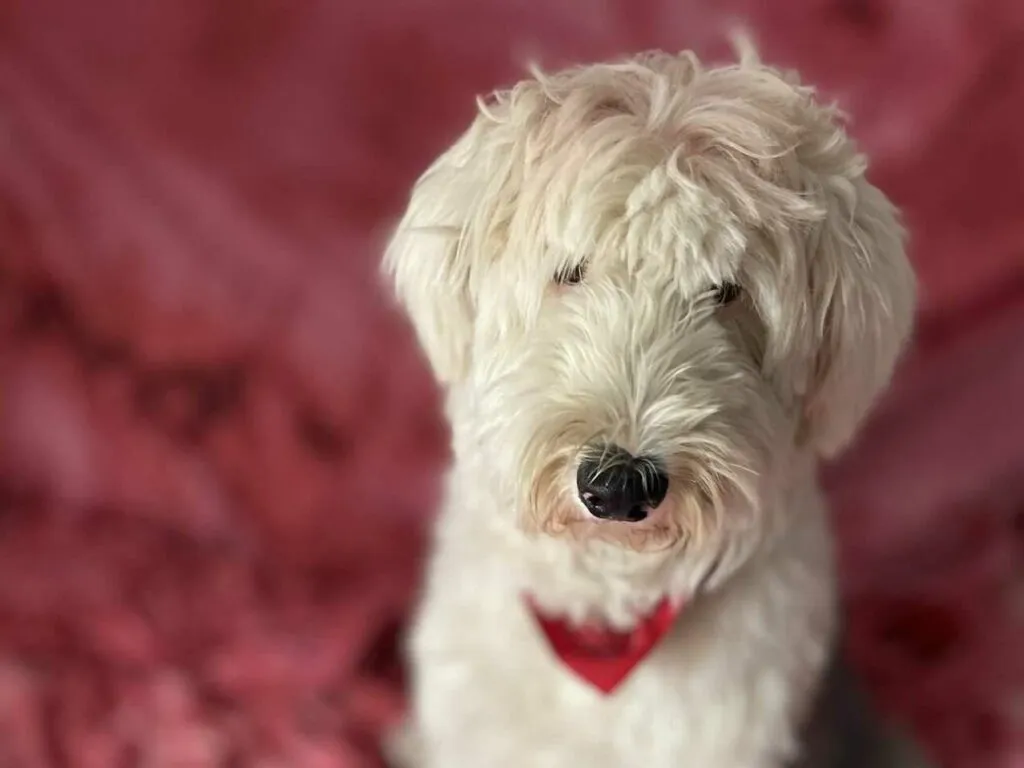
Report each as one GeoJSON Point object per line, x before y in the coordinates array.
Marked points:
{"type": "Point", "coordinates": [220, 447]}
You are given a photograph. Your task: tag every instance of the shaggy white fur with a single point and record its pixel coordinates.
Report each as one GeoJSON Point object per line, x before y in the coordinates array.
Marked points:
{"type": "Point", "coordinates": [569, 266]}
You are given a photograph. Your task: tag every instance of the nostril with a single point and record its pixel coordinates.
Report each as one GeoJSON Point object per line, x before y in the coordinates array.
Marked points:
{"type": "Point", "coordinates": [595, 502]}
{"type": "Point", "coordinates": [655, 484]}
{"type": "Point", "coordinates": [636, 513]}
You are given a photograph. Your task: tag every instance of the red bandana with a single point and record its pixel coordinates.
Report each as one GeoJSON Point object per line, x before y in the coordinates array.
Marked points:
{"type": "Point", "coordinates": [602, 656]}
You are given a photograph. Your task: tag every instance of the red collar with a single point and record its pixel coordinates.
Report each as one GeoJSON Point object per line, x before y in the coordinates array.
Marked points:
{"type": "Point", "coordinates": [602, 656]}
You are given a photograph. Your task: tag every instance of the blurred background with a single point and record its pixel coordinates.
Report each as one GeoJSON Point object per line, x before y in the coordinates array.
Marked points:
{"type": "Point", "coordinates": [219, 447]}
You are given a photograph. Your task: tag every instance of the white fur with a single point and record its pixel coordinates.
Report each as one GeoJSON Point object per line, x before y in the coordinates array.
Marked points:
{"type": "Point", "coordinates": [665, 178]}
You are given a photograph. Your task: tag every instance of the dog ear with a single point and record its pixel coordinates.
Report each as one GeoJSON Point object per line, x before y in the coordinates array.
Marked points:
{"type": "Point", "coordinates": [428, 266]}
{"type": "Point", "coordinates": [863, 297]}
{"type": "Point", "coordinates": [457, 224]}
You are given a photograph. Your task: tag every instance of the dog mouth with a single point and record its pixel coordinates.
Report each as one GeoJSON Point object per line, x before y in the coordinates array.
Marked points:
{"type": "Point", "coordinates": [683, 519]}
{"type": "Point", "coordinates": [655, 531]}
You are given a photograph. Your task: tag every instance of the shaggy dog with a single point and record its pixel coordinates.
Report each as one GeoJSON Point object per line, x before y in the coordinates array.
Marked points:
{"type": "Point", "coordinates": [656, 294]}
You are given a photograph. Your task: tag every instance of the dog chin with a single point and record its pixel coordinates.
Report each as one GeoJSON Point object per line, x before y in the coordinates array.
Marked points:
{"type": "Point", "coordinates": [660, 533]}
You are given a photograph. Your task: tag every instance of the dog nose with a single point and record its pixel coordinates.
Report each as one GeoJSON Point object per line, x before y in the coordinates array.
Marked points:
{"type": "Point", "coordinates": [614, 485]}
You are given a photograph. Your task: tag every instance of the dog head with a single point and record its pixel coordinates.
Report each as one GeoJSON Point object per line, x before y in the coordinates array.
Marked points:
{"type": "Point", "coordinates": [651, 289]}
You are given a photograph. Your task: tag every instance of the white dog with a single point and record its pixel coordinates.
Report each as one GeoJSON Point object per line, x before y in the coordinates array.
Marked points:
{"type": "Point", "coordinates": [656, 293]}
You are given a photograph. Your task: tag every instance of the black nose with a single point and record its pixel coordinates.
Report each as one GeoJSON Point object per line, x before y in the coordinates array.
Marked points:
{"type": "Point", "coordinates": [614, 485]}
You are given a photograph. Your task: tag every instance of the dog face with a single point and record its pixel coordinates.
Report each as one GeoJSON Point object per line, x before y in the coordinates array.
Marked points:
{"type": "Point", "coordinates": [652, 289]}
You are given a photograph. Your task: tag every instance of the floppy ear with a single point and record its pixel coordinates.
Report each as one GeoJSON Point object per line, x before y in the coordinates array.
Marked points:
{"type": "Point", "coordinates": [427, 265]}
{"type": "Point", "coordinates": [863, 295]}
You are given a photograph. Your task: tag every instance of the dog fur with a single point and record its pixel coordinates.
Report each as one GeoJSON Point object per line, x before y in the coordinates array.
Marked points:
{"type": "Point", "coordinates": [656, 180]}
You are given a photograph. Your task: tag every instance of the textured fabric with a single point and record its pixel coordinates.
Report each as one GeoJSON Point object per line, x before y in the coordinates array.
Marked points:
{"type": "Point", "coordinates": [219, 447]}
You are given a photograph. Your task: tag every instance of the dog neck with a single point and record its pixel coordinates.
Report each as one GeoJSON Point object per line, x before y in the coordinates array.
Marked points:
{"type": "Point", "coordinates": [599, 580]}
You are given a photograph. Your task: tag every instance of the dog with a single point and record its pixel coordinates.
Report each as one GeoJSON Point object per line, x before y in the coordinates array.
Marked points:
{"type": "Point", "coordinates": [656, 294]}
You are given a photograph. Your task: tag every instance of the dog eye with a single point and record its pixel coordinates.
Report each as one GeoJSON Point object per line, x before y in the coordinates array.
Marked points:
{"type": "Point", "coordinates": [727, 293]}
{"type": "Point", "coordinates": [570, 274]}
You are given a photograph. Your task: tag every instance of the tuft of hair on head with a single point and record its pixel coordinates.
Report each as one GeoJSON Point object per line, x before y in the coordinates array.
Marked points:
{"type": "Point", "coordinates": [744, 45]}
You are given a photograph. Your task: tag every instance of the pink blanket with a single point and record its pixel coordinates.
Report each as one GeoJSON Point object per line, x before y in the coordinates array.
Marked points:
{"type": "Point", "coordinates": [220, 447]}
